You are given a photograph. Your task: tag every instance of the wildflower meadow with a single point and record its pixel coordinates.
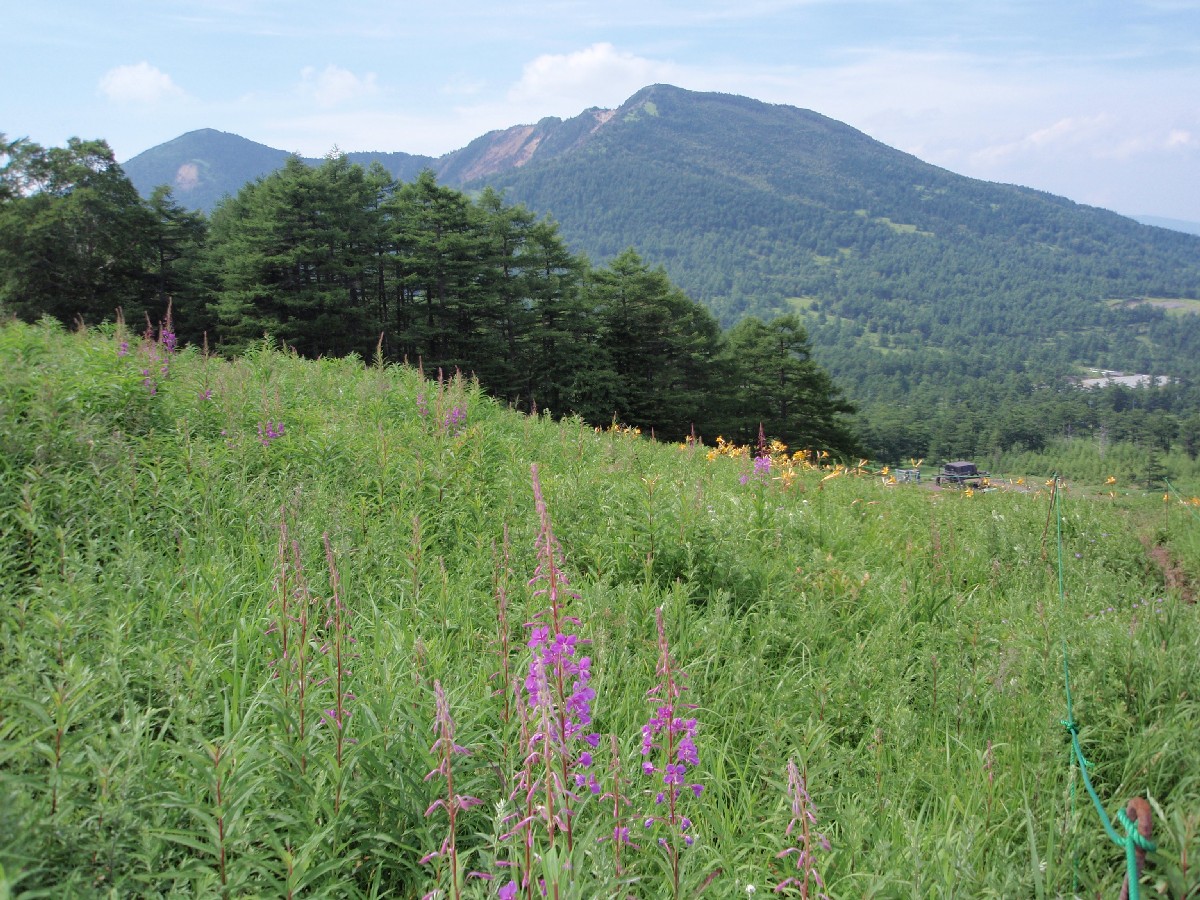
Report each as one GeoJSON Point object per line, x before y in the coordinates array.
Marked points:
{"type": "Point", "coordinates": [289, 628]}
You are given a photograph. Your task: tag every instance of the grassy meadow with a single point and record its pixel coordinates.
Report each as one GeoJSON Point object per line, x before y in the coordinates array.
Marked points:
{"type": "Point", "coordinates": [288, 628]}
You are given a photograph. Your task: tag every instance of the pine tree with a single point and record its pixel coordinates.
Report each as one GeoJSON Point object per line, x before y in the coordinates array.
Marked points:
{"type": "Point", "coordinates": [780, 388]}
{"type": "Point", "coordinates": [74, 235]}
{"type": "Point", "coordinates": [295, 251]}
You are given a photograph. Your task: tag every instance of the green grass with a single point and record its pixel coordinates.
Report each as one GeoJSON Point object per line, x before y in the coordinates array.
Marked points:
{"type": "Point", "coordinates": [905, 646]}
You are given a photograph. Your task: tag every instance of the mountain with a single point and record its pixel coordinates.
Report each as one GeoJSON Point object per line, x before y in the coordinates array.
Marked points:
{"type": "Point", "coordinates": [759, 208]}
{"type": "Point", "coordinates": [203, 166]}
{"type": "Point", "coordinates": [1173, 224]}
{"type": "Point", "coordinates": [919, 287]}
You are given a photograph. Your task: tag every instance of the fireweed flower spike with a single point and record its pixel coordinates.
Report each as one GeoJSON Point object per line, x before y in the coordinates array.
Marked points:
{"type": "Point", "coordinates": [805, 842]}
{"type": "Point", "coordinates": [452, 422]}
{"type": "Point", "coordinates": [444, 750]}
{"type": "Point", "coordinates": [339, 645]}
{"type": "Point", "coordinates": [500, 573]}
{"type": "Point", "coordinates": [568, 672]}
{"type": "Point", "coordinates": [166, 333]}
{"type": "Point", "coordinates": [155, 352]}
{"type": "Point", "coordinates": [557, 747]}
{"type": "Point", "coordinates": [269, 432]}
{"type": "Point", "coordinates": [762, 467]}
{"type": "Point", "coordinates": [294, 626]}
{"type": "Point", "coordinates": [672, 737]}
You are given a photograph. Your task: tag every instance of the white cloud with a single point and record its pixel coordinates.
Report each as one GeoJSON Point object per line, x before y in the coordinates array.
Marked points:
{"type": "Point", "coordinates": [1180, 138]}
{"type": "Point", "coordinates": [141, 83]}
{"type": "Point", "coordinates": [335, 86]}
{"type": "Point", "coordinates": [599, 74]}
{"type": "Point", "coordinates": [1102, 136]}
{"type": "Point", "coordinates": [1070, 131]}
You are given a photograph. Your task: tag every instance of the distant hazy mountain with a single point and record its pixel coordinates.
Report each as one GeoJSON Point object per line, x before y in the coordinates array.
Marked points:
{"type": "Point", "coordinates": [203, 166]}
{"type": "Point", "coordinates": [1173, 224]}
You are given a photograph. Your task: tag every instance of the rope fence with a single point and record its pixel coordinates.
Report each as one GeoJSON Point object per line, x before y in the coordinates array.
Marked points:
{"type": "Point", "coordinates": [1137, 840]}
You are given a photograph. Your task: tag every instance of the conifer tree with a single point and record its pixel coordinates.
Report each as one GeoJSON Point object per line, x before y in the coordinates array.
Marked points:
{"type": "Point", "coordinates": [74, 235]}
{"type": "Point", "coordinates": [781, 388]}
{"type": "Point", "coordinates": [295, 251]}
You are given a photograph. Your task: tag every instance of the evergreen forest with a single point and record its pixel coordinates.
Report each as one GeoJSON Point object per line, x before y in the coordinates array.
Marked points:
{"type": "Point", "coordinates": [336, 260]}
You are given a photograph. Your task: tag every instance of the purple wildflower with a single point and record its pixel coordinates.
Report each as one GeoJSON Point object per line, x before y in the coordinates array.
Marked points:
{"type": "Point", "coordinates": [269, 432]}
{"type": "Point", "coordinates": [558, 710]}
{"type": "Point", "coordinates": [761, 473]}
{"type": "Point", "coordinates": [673, 736]}
{"type": "Point", "coordinates": [453, 420]}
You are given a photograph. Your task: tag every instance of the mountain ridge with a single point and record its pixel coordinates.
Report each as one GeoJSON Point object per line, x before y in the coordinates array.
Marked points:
{"type": "Point", "coordinates": [500, 150]}
{"type": "Point", "coordinates": [179, 164]}
{"type": "Point", "coordinates": [186, 163]}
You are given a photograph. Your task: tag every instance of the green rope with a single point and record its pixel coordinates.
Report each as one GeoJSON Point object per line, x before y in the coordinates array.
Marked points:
{"type": "Point", "coordinates": [1133, 839]}
{"type": "Point", "coordinates": [1069, 721]}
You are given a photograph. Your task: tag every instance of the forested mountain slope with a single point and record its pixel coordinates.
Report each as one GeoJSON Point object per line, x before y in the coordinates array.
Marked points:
{"type": "Point", "coordinates": [750, 206]}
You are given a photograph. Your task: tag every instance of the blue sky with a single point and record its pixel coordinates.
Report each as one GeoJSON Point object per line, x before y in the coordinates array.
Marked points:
{"type": "Point", "coordinates": [1096, 100]}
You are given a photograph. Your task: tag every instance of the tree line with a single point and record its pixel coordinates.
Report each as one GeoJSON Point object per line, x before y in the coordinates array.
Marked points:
{"type": "Point", "coordinates": [339, 259]}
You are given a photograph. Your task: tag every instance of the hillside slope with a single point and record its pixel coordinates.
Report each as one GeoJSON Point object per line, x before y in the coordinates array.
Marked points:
{"type": "Point", "coordinates": [247, 604]}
